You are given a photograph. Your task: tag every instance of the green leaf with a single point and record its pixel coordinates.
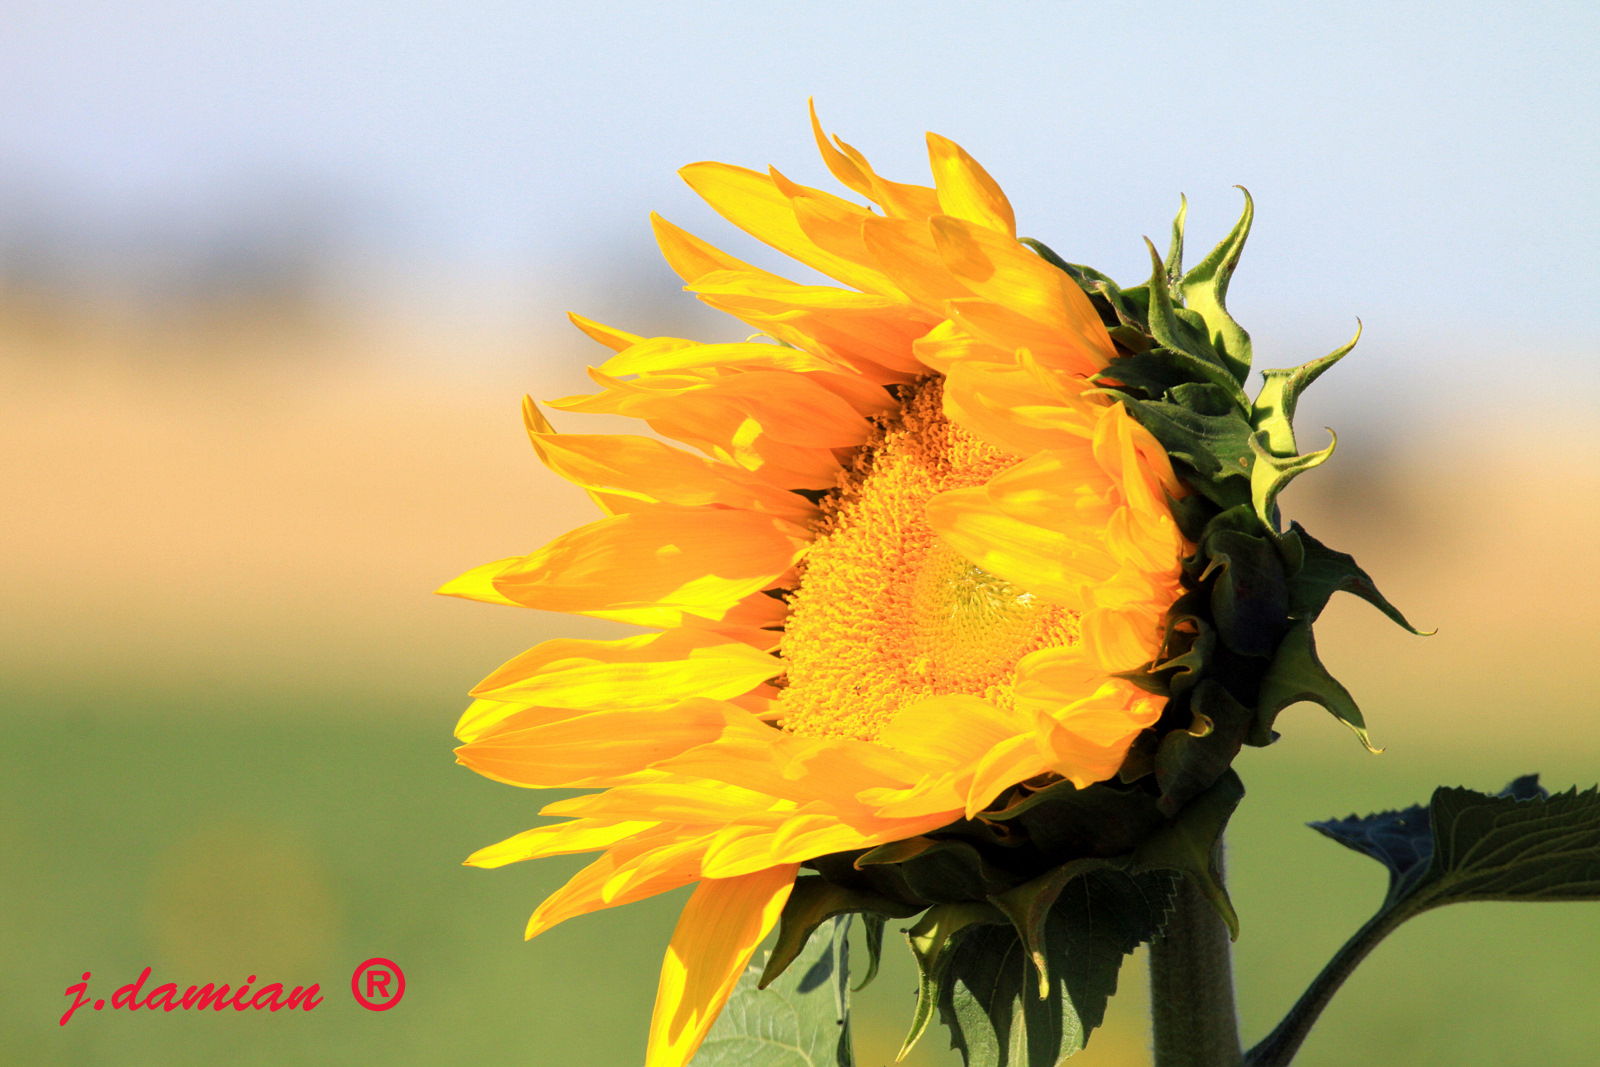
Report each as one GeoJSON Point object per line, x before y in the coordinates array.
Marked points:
{"type": "Point", "coordinates": [1519, 845]}
{"type": "Point", "coordinates": [1297, 674]}
{"type": "Point", "coordinates": [812, 902]}
{"type": "Point", "coordinates": [1508, 847]}
{"type": "Point", "coordinates": [1326, 572]}
{"type": "Point", "coordinates": [990, 1000]}
{"type": "Point", "coordinates": [1205, 290]}
{"type": "Point", "coordinates": [800, 1020]}
{"type": "Point", "coordinates": [1400, 840]}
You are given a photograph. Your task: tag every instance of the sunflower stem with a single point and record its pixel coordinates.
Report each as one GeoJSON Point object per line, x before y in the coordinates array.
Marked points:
{"type": "Point", "coordinates": [1192, 1016]}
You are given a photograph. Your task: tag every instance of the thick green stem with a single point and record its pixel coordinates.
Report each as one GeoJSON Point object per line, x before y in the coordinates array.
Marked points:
{"type": "Point", "coordinates": [1191, 987]}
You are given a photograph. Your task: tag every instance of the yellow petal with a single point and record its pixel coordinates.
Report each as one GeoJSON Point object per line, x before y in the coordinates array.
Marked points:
{"type": "Point", "coordinates": [646, 358]}
{"type": "Point", "coordinates": [612, 338]}
{"type": "Point", "coordinates": [852, 169]}
{"type": "Point", "coordinates": [720, 929]}
{"type": "Point", "coordinates": [1001, 403]}
{"type": "Point", "coordinates": [1038, 525]}
{"type": "Point", "coordinates": [751, 201]}
{"type": "Point", "coordinates": [558, 839]}
{"type": "Point", "coordinates": [693, 258]}
{"type": "Point", "coordinates": [674, 799]}
{"type": "Point", "coordinates": [653, 567]}
{"type": "Point", "coordinates": [643, 468]}
{"type": "Point", "coordinates": [599, 744]}
{"type": "Point", "coordinates": [655, 862]}
{"type": "Point", "coordinates": [905, 252]}
{"type": "Point", "coordinates": [777, 424]}
{"type": "Point", "coordinates": [874, 340]}
{"type": "Point", "coordinates": [1002, 271]}
{"type": "Point", "coordinates": [965, 189]}
{"type": "Point", "coordinates": [644, 672]}
{"type": "Point", "coordinates": [478, 583]}
{"type": "Point", "coordinates": [483, 714]}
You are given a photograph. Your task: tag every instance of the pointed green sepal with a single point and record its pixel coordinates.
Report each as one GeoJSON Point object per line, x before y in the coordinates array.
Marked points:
{"type": "Point", "coordinates": [1327, 572]}
{"type": "Point", "coordinates": [933, 941]}
{"type": "Point", "coordinates": [813, 901]}
{"type": "Point", "coordinates": [1190, 761]}
{"type": "Point", "coordinates": [1189, 844]}
{"type": "Point", "coordinates": [1200, 428]}
{"type": "Point", "coordinates": [1064, 821]}
{"type": "Point", "coordinates": [1273, 411]}
{"type": "Point", "coordinates": [1174, 261]}
{"type": "Point", "coordinates": [1297, 674]}
{"type": "Point", "coordinates": [1250, 597]}
{"type": "Point", "coordinates": [872, 925]}
{"type": "Point", "coordinates": [1271, 474]}
{"type": "Point", "coordinates": [1205, 290]}
{"type": "Point", "coordinates": [941, 871]}
{"type": "Point", "coordinates": [1186, 347]}
{"type": "Point", "coordinates": [1028, 905]}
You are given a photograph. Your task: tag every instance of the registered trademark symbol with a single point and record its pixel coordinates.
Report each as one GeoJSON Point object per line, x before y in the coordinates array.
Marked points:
{"type": "Point", "coordinates": [378, 984]}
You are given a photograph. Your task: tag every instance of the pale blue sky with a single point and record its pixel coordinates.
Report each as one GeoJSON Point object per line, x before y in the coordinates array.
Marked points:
{"type": "Point", "coordinates": [1431, 167]}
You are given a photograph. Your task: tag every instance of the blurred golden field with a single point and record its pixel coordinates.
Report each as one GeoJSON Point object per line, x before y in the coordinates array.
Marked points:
{"type": "Point", "coordinates": [225, 738]}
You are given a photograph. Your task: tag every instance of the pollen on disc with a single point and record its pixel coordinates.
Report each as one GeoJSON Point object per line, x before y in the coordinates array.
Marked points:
{"type": "Point", "coordinates": [886, 614]}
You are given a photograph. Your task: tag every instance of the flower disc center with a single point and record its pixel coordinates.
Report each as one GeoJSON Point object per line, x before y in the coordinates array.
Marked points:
{"type": "Point", "coordinates": [886, 613]}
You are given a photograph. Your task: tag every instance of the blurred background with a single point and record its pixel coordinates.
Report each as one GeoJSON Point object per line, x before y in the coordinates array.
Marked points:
{"type": "Point", "coordinates": [274, 278]}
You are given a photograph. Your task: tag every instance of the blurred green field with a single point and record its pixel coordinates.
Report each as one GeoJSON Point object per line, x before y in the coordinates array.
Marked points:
{"type": "Point", "coordinates": [213, 835]}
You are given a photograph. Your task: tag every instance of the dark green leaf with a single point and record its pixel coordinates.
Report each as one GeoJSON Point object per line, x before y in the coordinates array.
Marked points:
{"type": "Point", "coordinates": [1510, 848]}
{"type": "Point", "coordinates": [1521, 844]}
{"type": "Point", "coordinates": [990, 996]}
{"type": "Point", "coordinates": [800, 1020]}
{"type": "Point", "coordinates": [1400, 840]}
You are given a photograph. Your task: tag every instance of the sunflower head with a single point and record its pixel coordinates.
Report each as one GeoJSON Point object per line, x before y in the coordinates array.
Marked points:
{"type": "Point", "coordinates": [965, 593]}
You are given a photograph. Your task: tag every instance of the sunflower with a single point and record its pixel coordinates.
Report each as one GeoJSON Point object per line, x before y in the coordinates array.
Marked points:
{"type": "Point", "coordinates": [910, 563]}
